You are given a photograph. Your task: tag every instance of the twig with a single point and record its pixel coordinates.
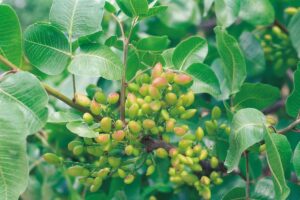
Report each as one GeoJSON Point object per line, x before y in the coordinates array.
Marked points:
{"type": "Point", "coordinates": [74, 86]}
{"type": "Point", "coordinates": [281, 26]}
{"type": "Point", "coordinates": [275, 107]}
{"type": "Point", "coordinates": [247, 176]}
{"type": "Point", "coordinates": [289, 127]}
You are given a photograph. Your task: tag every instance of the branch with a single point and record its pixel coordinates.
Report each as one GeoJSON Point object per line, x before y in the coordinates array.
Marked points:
{"type": "Point", "coordinates": [275, 107]}
{"type": "Point", "coordinates": [281, 26]}
{"type": "Point", "coordinates": [152, 144]}
{"type": "Point", "coordinates": [51, 91]}
{"type": "Point", "coordinates": [289, 127]}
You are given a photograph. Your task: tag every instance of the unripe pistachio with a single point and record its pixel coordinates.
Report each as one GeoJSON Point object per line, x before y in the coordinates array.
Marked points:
{"type": "Point", "coordinates": [133, 111]}
{"type": "Point", "coordinates": [218, 181]}
{"type": "Point", "coordinates": [271, 119]}
{"type": "Point", "coordinates": [100, 97]}
{"type": "Point", "coordinates": [144, 90]}
{"type": "Point", "coordinates": [169, 76]}
{"type": "Point", "coordinates": [180, 131]}
{"type": "Point", "coordinates": [197, 149]}
{"type": "Point", "coordinates": [51, 158]}
{"type": "Point", "coordinates": [121, 173]}
{"type": "Point", "coordinates": [77, 171]}
{"type": "Point", "coordinates": [161, 153]}
{"type": "Point", "coordinates": [140, 101]}
{"type": "Point", "coordinates": [199, 134]}
{"type": "Point", "coordinates": [170, 124]}
{"type": "Point", "coordinates": [189, 152]}
{"type": "Point", "coordinates": [154, 92]}
{"type": "Point", "coordinates": [150, 170]}
{"type": "Point", "coordinates": [152, 197]}
{"type": "Point", "coordinates": [210, 127]}
{"type": "Point", "coordinates": [129, 150]}
{"type": "Point", "coordinates": [88, 118]}
{"type": "Point", "coordinates": [148, 124]}
{"type": "Point", "coordinates": [276, 30]}
{"type": "Point", "coordinates": [188, 114]}
{"type": "Point", "coordinates": [291, 10]}
{"type": "Point", "coordinates": [143, 78]}
{"type": "Point", "coordinates": [189, 136]}
{"type": "Point", "coordinates": [214, 162]}
{"type": "Point", "coordinates": [134, 127]}
{"type": "Point", "coordinates": [95, 108]}
{"type": "Point", "coordinates": [190, 98]}
{"type": "Point", "coordinates": [133, 87]}
{"type": "Point", "coordinates": [205, 180]}
{"type": "Point", "coordinates": [154, 130]}
{"type": "Point", "coordinates": [82, 100]}
{"type": "Point", "coordinates": [206, 193]}
{"type": "Point", "coordinates": [97, 183]}
{"type": "Point", "coordinates": [262, 148]}
{"type": "Point", "coordinates": [129, 179]}
{"type": "Point", "coordinates": [146, 109]}
{"type": "Point", "coordinates": [118, 135]}
{"type": "Point", "coordinates": [172, 171]}
{"type": "Point", "coordinates": [216, 112]}
{"type": "Point", "coordinates": [113, 98]}
{"type": "Point", "coordinates": [227, 130]}
{"type": "Point", "coordinates": [176, 179]}
{"type": "Point", "coordinates": [189, 179]}
{"type": "Point", "coordinates": [155, 106]}
{"type": "Point", "coordinates": [214, 175]}
{"type": "Point", "coordinates": [102, 173]}
{"type": "Point", "coordinates": [148, 99]}
{"type": "Point", "coordinates": [173, 152]}
{"type": "Point", "coordinates": [160, 82]}
{"type": "Point", "coordinates": [88, 141]}
{"type": "Point", "coordinates": [103, 138]}
{"type": "Point", "coordinates": [203, 154]}
{"type": "Point", "coordinates": [157, 70]}
{"type": "Point", "coordinates": [183, 144]}
{"type": "Point", "coordinates": [74, 143]}
{"type": "Point", "coordinates": [131, 99]}
{"type": "Point", "coordinates": [268, 37]}
{"type": "Point", "coordinates": [196, 167]}
{"type": "Point", "coordinates": [182, 79]}
{"type": "Point", "coordinates": [106, 124]}
{"type": "Point", "coordinates": [114, 161]}
{"type": "Point", "coordinates": [119, 124]}
{"type": "Point", "coordinates": [78, 150]}
{"type": "Point", "coordinates": [171, 98]}
{"type": "Point", "coordinates": [165, 115]}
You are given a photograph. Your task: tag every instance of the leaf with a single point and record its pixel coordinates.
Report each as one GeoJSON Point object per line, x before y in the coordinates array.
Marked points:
{"type": "Point", "coordinates": [205, 80]}
{"type": "Point", "coordinates": [296, 159]}
{"type": "Point", "coordinates": [248, 128]}
{"type": "Point", "coordinates": [254, 54]}
{"type": "Point", "coordinates": [292, 102]}
{"type": "Point", "coordinates": [191, 50]}
{"type": "Point", "coordinates": [153, 43]}
{"type": "Point", "coordinates": [257, 12]}
{"type": "Point", "coordinates": [227, 11]}
{"type": "Point", "coordinates": [156, 10]}
{"type": "Point", "coordinates": [264, 189]}
{"type": "Point", "coordinates": [10, 36]}
{"type": "Point", "coordinates": [294, 32]}
{"type": "Point", "coordinates": [167, 56]}
{"type": "Point", "coordinates": [109, 7]}
{"type": "Point", "coordinates": [13, 162]}
{"type": "Point", "coordinates": [133, 64]}
{"type": "Point", "coordinates": [233, 59]}
{"type": "Point", "coordinates": [235, 194]}
{"type": "Point", "coordinates": [46, 48]}
{"type": "Point", "coordinates": [133, 7]}
{"type": "Point", "coordinates": [63, 117]}
{"type": "Point", "coordinates": [27, 94]}
{"type": "Point", "coordinates": [95, 60]}
{"type": "Point", "coordinates": [274, 161]}
{"type": "Point", "coordinates": [255, 165]}
{"type": "Point", "coordinates": [256, 95]}
{"type": "Point", "coordinates": [81, 129]}
{"type": "Point", "coordinates": [207, 6]}
{"type": "Point", "coordinates": [77, 17]}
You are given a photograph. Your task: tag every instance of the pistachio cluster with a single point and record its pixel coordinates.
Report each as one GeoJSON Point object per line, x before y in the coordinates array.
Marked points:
{"type": "Point", "coordinates": [158, 105]}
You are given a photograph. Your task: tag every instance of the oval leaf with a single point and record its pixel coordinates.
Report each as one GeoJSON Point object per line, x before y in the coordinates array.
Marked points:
{"type": "Point", "coordinates": [153, 43]}
{"type": "Point", "coordinates": [10, 36]}
{"type": "Point", "coordinates": [294, 32]}
{"type": "Point", "coordinates": [77, 17]}
{"type": "Point", "coordinates": [193, 49]}
{"type": "Point", "coordinates": [205, 80]}
{"type": "Point", "coordinates": [256, 95]}
{"type": "Point", "coordinates": [63, 117]}
{"type": "Point", "coordinates": [292, 103]}
{"type": "Point", "coordinates": [296, 159]}
{"type": "Point", "coordinates": [248, 128]}
{"type": "Point", "coordinates": [81, 129]}
{"type": "Point", "coordinates": [233, 59]}
{"type": "Point", "coordinates": [46, 48]}
{"type": "Point", "coordinates": [227, 11]}
{"type": "Point", "coordinates": [96, 60]}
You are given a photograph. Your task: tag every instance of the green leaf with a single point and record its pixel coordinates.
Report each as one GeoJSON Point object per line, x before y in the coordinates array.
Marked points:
{"type": "Point", "coordinates": [275, 164]}
{"type": "Point", "coordinates": [95, 60]}
{"type": "Point", "coordinates": [233, 59]}
{"type": "Point", "coordinates": [109, 7]}
{"type": "Point", "coordinates": [63, 117]}
{"type": "Point", "coordinates": [167, 55]}
{"type": "Point", "coordinates": [256, 95]}
{"type": "Point", "coordinates": [235, 193]}
{"type": "Point", "coordinates": [13, 162]}
{"type": "Point", "coordinates": [264, 189]}
{"type": "Point", "coordinates": [254, 54]}
{"type": "Point", "coordinates": [46, 48]}
{"type": "Point", "coordinates": [227, 11]}
{"type": "Point", "coordinates": [133, 64]}
{"type": "Point", "coordinates": [248, 128]}
{"type": "Point", "coordinates": [292, 102]}
{"type": "Point", "coordinates": [156, 10]}
{"type": "Point", "coordinates": [207, 6]}
{"type": "Point", "coordinates": [294, 32]}
{"type": "Point", "coordinates": [217, 67]}
{"type": "Point", "coordinates": [10, 36]}
{"type": "Point", "coordinates": [296, 159]}
{"type": "Point", "coordinates": [81, 129]}
{"type": "Point", "coordinates": [257, 12]}
{"type": "Point", "coordinates": [77, 17]}
{"type": "Point", "coordinates": [27, 94]}
{"type": "Point", "coordinates": [191, 50]}
{"type": "Point", "coordinates": [133, 7]}
{"type": "Point", "coordinates": [153, 43]}
{"type": "Point", "coordinates": [205, 80]}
